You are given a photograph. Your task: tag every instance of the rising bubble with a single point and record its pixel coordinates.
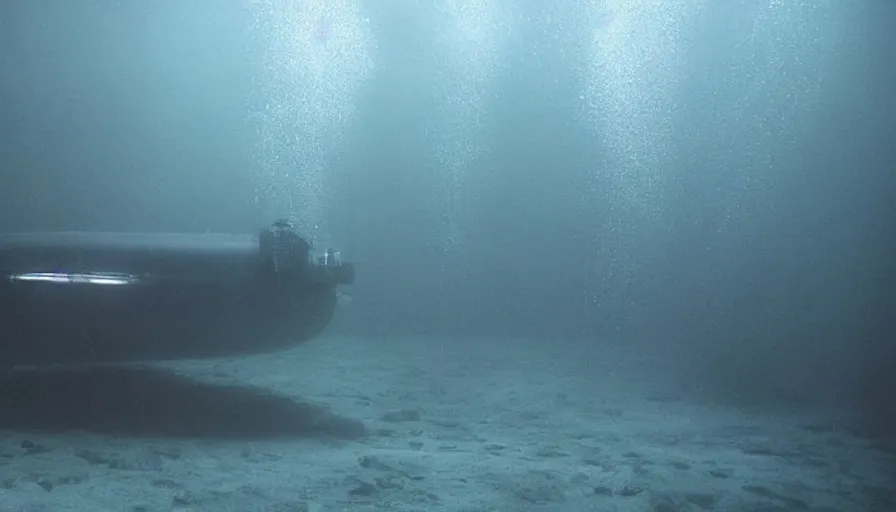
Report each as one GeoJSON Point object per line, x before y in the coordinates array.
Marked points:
{"type": "Point", "coordinates": [316, 55]}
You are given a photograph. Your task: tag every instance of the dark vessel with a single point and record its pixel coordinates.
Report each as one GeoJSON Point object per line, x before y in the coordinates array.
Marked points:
{"type": "Point", "coordinates": [78, 297]}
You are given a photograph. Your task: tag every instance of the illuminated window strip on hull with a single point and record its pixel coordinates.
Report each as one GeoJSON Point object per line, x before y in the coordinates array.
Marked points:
{"type": "Point", "coordinates": [95, 278]}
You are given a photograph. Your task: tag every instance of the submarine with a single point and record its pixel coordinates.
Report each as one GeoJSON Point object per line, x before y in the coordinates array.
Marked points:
{"type": "Point", "coordinates": [93, 297]}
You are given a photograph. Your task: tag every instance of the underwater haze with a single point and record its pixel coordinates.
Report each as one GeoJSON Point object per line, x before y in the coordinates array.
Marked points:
{"type": "Point", "coordinates": [708, 183]}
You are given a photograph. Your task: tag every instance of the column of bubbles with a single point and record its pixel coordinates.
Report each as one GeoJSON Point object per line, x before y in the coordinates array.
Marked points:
{"type": "Point", "coordinates": [786, 52]}
{"type": "Point", "coordinates": [469, 47]}
{"type": "Point", "coordinates": [316, 54]}
{"type": "Point", "coordinates": [635, 61]}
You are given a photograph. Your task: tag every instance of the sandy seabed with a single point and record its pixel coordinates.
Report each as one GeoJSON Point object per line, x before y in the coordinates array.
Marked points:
{"type": "Point", "coordinates": [417, 425]}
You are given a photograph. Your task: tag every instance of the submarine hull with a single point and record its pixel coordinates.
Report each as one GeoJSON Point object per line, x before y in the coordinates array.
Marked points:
{"type": "Point", "coordinates": [101, 297]}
